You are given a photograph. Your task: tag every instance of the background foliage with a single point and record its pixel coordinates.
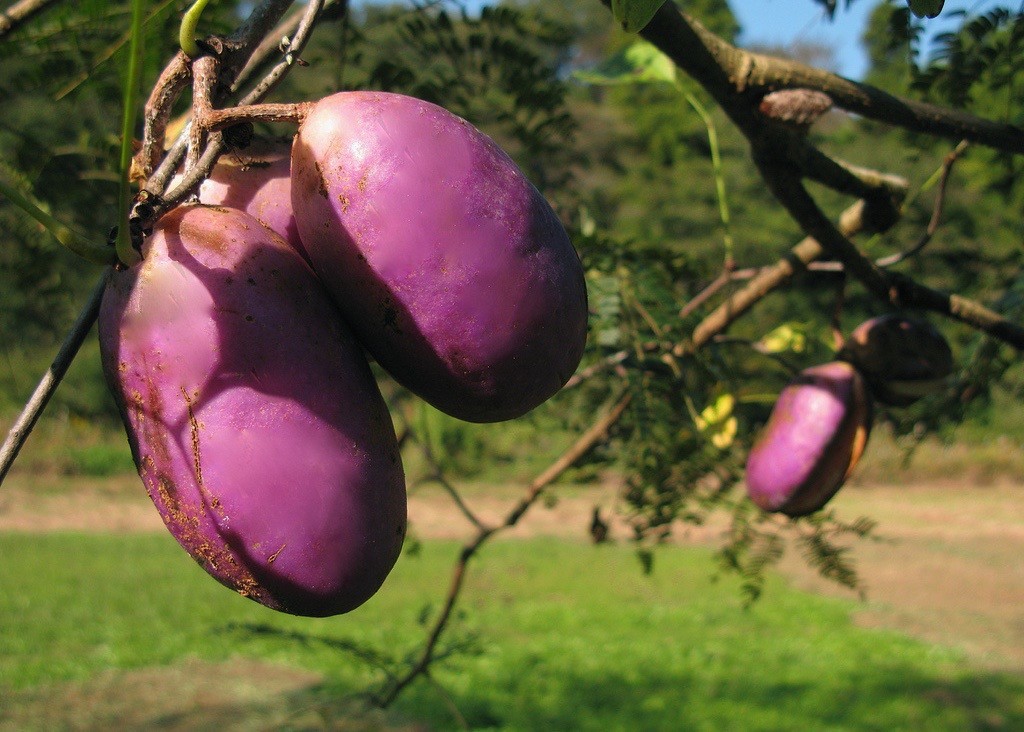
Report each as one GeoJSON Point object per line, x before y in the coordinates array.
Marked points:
{"type": "Point", "coordinates": [629, 170]}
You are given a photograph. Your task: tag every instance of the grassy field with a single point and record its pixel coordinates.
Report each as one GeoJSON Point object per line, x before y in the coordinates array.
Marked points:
{"type": "Point", "coordinates": [106, 624]}
{"type": "Point", "coordinates": [101, 631]}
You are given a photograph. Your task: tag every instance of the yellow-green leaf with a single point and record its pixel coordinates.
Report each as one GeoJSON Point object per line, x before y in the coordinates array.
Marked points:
{"type": "Point", "coordinates": [724, 434]}
{"type": "Point", "coordinates": [718, 421]}
{"type": "Point", "coordinates": [635, 14]}
{"type": "Point", "coordinates": [785, 338]}
{"type": "Point", "coordinates": [717, 411]}
{"type": "Point", "coordinates": [638, 63]}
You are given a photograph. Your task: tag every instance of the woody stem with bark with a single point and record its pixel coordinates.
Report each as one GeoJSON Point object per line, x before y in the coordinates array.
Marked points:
{"type": "Point", "coordinates": [737, 80]}
{"type": "Point", "coordinates": [21, 12]}
{"type": "Point", "coordinates": [26, 421]}
{"type": "Point", "coordinates": [851, 222]}
{"type": "Point", "coordinates": [229, 66]}
{"type": "Point", "coordinates": [898, 290]}
{"type": "Point", "coordinates": [769, 279]}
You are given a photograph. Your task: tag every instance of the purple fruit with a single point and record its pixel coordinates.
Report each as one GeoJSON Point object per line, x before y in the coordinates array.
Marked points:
{"type": "Point", "coordinates": [252, 415]}
{"type": "Point", "coordinates": [903, 359]}
{"type": "Point", "coordinates": [815, 436]}
{"type": "Point", "coordinates": [256, 180]}
{"type": "Point", "coordinates": [451, 267]}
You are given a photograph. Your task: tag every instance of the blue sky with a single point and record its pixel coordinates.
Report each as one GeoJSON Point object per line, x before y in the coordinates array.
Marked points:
{"type": "Point", "coordinates": [781, 22]}
{"type": "Point", "coordinates": [786, 22]}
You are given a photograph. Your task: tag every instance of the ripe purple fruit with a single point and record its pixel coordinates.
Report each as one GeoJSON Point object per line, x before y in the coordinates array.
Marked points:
{"type": "Point", "coordinates": [903, 359]}
{"type": "Point", "coordinates": [453, 270]}
{"type": "Point", "coordinates": [252, 415]}
{"type": "Point", "coordinates": [257, 180]}
{"type": "Point", "coordinates": [816, 434]}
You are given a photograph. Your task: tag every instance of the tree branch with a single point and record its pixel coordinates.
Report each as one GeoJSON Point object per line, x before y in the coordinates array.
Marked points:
{"type": "Point", "coordinates": [771, 278]}
{"type": "Point", "coordinates": [583, 444]}
{"type": "Point", "coordinates": [898, 290]}
{"type": "Point", "coordinates": [26, 421]}
{"type": "Point", "coordinates": [293, 51]}
{"type": "Point", "coordinates": [937, 209]}
{"type": "Point", "coordinates": [737, 79]}
{"type": "Point", "coordinates": [21, 12]}
{"type": "Point", "coordinates": [156, 113]}
{"type": "Point", "coordinates": [272, 43]}
{"type": "Point", "coordinates": [157, 186]}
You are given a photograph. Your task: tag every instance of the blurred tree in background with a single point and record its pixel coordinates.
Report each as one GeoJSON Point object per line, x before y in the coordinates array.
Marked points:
{"type": "Point", "coordinates": [660, 200]}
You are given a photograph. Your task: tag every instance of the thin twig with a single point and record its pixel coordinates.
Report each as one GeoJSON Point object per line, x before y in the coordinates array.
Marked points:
{"type": "Point", "coordinates": [762, 280]}
{"type": "Point", "coordinates": [234, 52]}
{"type": "Point", "coordinates": [766, 281]}
{"type": "Point", "coordinates": [898, 290]}
{"type": "Point", "coordinates": [724, 278]}
{"type": "Point", "coordinates": [220, 119]}
{"type": "Point", "coordinates": [157, 111]}
{"type": "Point", "coordinates": [437, 476]}
{"type": "Point", "coordinates": [204, 79]}
{"type": "Point", "coordinates": [933, 223]}
{"type": "Point", "coordinates": [21, 12]}
{"type": "Point", "coordinates": [272, 44]}
{"type": "Point", "coordinates": [583, 444]}
{"type": "Point", "coordinates": [291, 54]}
{"type": "Point", "coordinates": [215, 146]}
{"type": "Point", "coordinates": [594, 369]}
{"type": "Point", "coordinates": [251, 33]}
{"type": "Point", "coordinates": [26, 421]}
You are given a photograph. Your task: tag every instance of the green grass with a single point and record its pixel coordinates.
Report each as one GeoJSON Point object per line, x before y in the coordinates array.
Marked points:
{"type": "Point", "coordinates": [563, 636]}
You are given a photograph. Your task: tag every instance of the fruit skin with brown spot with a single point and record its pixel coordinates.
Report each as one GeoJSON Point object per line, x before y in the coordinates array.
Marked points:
{"type": "Point", "coordinates": [257, 180]}
{"type": "Point", "coordinates": [453, 270]}
{"type": "Point", "coordinates": [814, 437]}
{"type": "Point", "coordinates": [902, 358]}
{"type": "Point", "coordinates": [252, 415]}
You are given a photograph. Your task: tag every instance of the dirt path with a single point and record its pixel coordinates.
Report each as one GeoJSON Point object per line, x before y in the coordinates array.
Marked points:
{"type": "Point", "coordinates": [946, 566]}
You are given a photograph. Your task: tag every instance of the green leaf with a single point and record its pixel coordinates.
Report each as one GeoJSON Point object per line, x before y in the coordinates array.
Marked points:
{"type": "Point", "coordinates": [23, 199]}
{"type": "Point", "coordinates": [635, 14]}
{"type": "Point", "coordinates": [132, 90]}
{"type": "Point", "coordinates": [639, 63]}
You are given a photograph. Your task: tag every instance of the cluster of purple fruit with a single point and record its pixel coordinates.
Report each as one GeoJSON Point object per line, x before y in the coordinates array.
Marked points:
{"type": "Point", "coordinates": [820, 424]}
{"type": "Point", "coordinates": [235, 350]}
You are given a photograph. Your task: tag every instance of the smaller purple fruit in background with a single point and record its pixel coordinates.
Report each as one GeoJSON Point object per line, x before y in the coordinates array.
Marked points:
{"type": "Point", "coordinates": [903, 359]}
{"type": "Point", "coordinates": [257, 180]}
{"type": "Point", "coordinates": [816, 434]}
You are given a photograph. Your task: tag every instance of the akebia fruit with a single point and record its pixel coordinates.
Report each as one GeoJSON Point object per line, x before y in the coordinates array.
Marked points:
{"type": "Point", "coordinates": [252, 414]}
{"type": "Point", "coordinates": [814, 437]}
{"type": "Point", "coordinates": [902, 358]}
{"type": "Point", "coordinates": [450, 266]}
{"type": "Point", "coordinates": [257, 180]}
